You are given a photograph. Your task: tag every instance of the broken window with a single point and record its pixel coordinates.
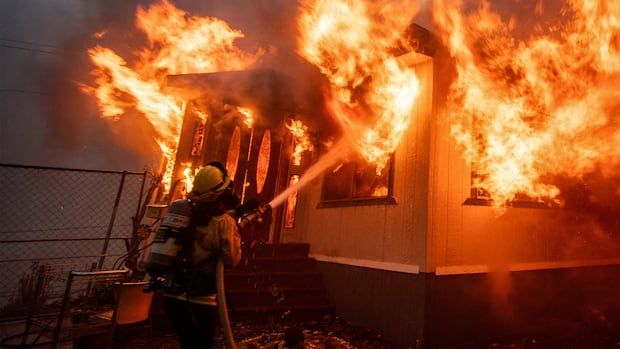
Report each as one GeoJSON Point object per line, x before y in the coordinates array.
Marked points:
{"type": "Point", "coordinates": [479, 195]}
{"type": "Point", "coordinates": [357, 182]}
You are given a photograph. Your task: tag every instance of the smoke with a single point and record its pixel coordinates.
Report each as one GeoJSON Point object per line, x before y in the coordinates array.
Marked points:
{"type": "Point", "coordinates": [58, 125]}
{"type": "Point", "coordinates": [46, 120]}
{"type": "Point", "coordinates": [53, 123]}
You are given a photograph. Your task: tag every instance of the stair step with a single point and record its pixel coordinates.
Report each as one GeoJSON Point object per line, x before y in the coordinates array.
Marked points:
{"type": "Point", "coordinates": [297, 312]}
{"type": "Point", "coordinates": [257, 280]}
{"type": "Point", "coordinates": [277, 281]}
{"type": "Point", "coordinates": [278, 296]}
{"type": "Point", "coordinates": [280, 250]}
{"type": "Point", "coordinates": [277, 264]}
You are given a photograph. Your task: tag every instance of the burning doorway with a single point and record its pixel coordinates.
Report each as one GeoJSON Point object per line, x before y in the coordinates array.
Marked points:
{"type": "Point", "coordinates": [236, 118]}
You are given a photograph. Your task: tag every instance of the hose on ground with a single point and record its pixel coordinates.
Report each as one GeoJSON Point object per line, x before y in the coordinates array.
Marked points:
{"type": "Point", "coordinates": [222, 308]}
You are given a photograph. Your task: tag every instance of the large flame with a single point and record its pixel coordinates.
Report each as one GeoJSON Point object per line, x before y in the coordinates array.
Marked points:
{"type": "Point", "coordinates": [301, 140]}
{"type": "Point", "coordinates": [352, 42]}
{"type": "Point", "coordinates": [178, 44]}
{"type": "Point", "coordinates": [531, 109]}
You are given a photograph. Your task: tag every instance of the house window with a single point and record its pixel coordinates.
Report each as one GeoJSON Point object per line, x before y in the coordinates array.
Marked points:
{"type": "Point", "coordinates": [479, 195]}
{"type": "Point", "coordinates": [478, 192]}
{"type": "Point", "coordinates": [357, 183]}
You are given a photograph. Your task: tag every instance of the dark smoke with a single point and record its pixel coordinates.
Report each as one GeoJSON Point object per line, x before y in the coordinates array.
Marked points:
{"type": "Point", "coordinates": [55, 124]}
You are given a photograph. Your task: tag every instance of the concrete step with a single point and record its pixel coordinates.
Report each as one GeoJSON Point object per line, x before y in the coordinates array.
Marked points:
{"type": "Point", "coordinates": [276, 264]}
{"type": "Point", "coordinates": [277, 296]}
{"type": "Point", "coordinates": [262, 280]}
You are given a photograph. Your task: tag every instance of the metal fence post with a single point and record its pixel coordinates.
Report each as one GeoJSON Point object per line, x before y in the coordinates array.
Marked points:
{"type": "Point", "coordinates": [140, 195]}
{"type": "Point", "coordinates": [112, 219]}
{"type": "Point", "coordinates": [63, 309]}
{"type": "Point", "coordinates": [32, 307]}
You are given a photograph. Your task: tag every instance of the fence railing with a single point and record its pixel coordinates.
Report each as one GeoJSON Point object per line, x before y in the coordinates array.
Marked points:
{"type": "Point", "coordinates": [55, 216]}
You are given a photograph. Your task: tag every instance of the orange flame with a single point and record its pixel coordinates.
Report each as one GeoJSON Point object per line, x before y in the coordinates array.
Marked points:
{"type": "Point", "coordinates": [528, 110]}
{"type": "Point", "coordinates": [301, 140]}
{"type": "Point", "coordinates": [182, 44]}
{"type": "Point", "coordinates": [372, 95]}
{"type": "Point", "coordinates": [202, 115]}
{"type": "Point", "coordinates": [188, 176]}
{"type": "Point", "coordinates": [178, 44]}
{"type": "Point", "coordinates": [249, 116]}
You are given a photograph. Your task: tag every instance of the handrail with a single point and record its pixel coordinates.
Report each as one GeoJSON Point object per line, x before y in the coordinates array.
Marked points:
{"type": "Point", "coordinates": [65, 298]}
{"type": "Point", "coordinates": [98, 272]}
{"type": "Point", "coordinates": [61, 239]}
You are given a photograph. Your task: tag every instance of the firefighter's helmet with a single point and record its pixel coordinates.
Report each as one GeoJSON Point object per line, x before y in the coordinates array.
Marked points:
{"type": "Point", "coordinates": [211, 178]}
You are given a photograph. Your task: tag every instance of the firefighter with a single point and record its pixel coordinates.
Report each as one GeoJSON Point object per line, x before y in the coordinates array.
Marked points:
{"type": "Point", "coordinates": [215, 235]}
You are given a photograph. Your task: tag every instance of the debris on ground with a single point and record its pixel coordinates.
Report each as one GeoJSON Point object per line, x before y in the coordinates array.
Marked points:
{"type": "Point", "coordinates": [330, 333]}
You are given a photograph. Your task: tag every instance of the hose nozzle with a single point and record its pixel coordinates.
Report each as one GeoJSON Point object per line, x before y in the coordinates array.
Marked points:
{"type": "Point", "coordinates": [255, 215]}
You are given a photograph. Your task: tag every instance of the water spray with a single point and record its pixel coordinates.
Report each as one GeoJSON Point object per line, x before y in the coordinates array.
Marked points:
{"type": "Point", "coordinates": [330, 158]}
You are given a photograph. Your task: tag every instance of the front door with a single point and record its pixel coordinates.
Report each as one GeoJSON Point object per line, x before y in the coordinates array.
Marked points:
{"type": "Point", "coordinates": [251, 156]}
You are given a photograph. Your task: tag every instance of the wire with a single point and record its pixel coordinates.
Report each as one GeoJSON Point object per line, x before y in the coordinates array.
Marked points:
{"type": "Point", "coordinates": [31, 43]}
{"type": "Point", "coordinates": [33, 50]}
{"type": "Point", "coordinates": [123, 258]}
{"type": "Point", "coordinates": [61, 228]}
{"type": "Point", "coordinates": [15, 90]}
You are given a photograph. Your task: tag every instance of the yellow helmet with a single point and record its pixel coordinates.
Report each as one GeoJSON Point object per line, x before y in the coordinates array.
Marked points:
{"type": "Point", "coordinates": [210, 179]}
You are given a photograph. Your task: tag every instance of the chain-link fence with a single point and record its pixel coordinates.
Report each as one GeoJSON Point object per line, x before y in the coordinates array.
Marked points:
{"type": "Point", "coordinates": [53, 217]}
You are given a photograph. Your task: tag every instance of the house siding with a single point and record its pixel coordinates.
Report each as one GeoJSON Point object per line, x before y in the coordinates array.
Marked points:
{"type": "Point", "coordinates": [384, 233]}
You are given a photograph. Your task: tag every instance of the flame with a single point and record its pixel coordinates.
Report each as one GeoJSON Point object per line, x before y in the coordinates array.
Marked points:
{"type": "Point", "coordinates": [178, 43]}
{"type": "Point", "coordinates": [527, 110]}
{"type": "Point", "coordinates": [202, 115]}
{"type": "Point", "coordinates": [188, 176]}
{"type": "Point", "coordinates": [249, 116]}
{"type": "Point", "coordinates": [372, 95]}
{"type": "Point", "coordinates": [301, 140]}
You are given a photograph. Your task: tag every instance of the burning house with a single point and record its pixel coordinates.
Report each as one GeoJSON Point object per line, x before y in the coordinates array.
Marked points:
{"type": "Point", "coordinates": [464, 186]}
{"type": "Point", "coordinates": [238, 118]}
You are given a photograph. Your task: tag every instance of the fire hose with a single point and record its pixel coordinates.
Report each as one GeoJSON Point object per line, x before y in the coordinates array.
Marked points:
{"type": "Point", "coordinates": [222, 307]}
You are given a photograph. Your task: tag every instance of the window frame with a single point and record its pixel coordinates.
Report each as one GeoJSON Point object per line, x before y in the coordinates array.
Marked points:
{"type": "Point", "coordinates": [361, 201]}
{"type": "Point", "coordinates": [479, 196]}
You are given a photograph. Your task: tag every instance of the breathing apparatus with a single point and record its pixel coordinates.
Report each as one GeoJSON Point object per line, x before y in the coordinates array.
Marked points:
{"type": "Point", "coordinates": [169, 263]}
